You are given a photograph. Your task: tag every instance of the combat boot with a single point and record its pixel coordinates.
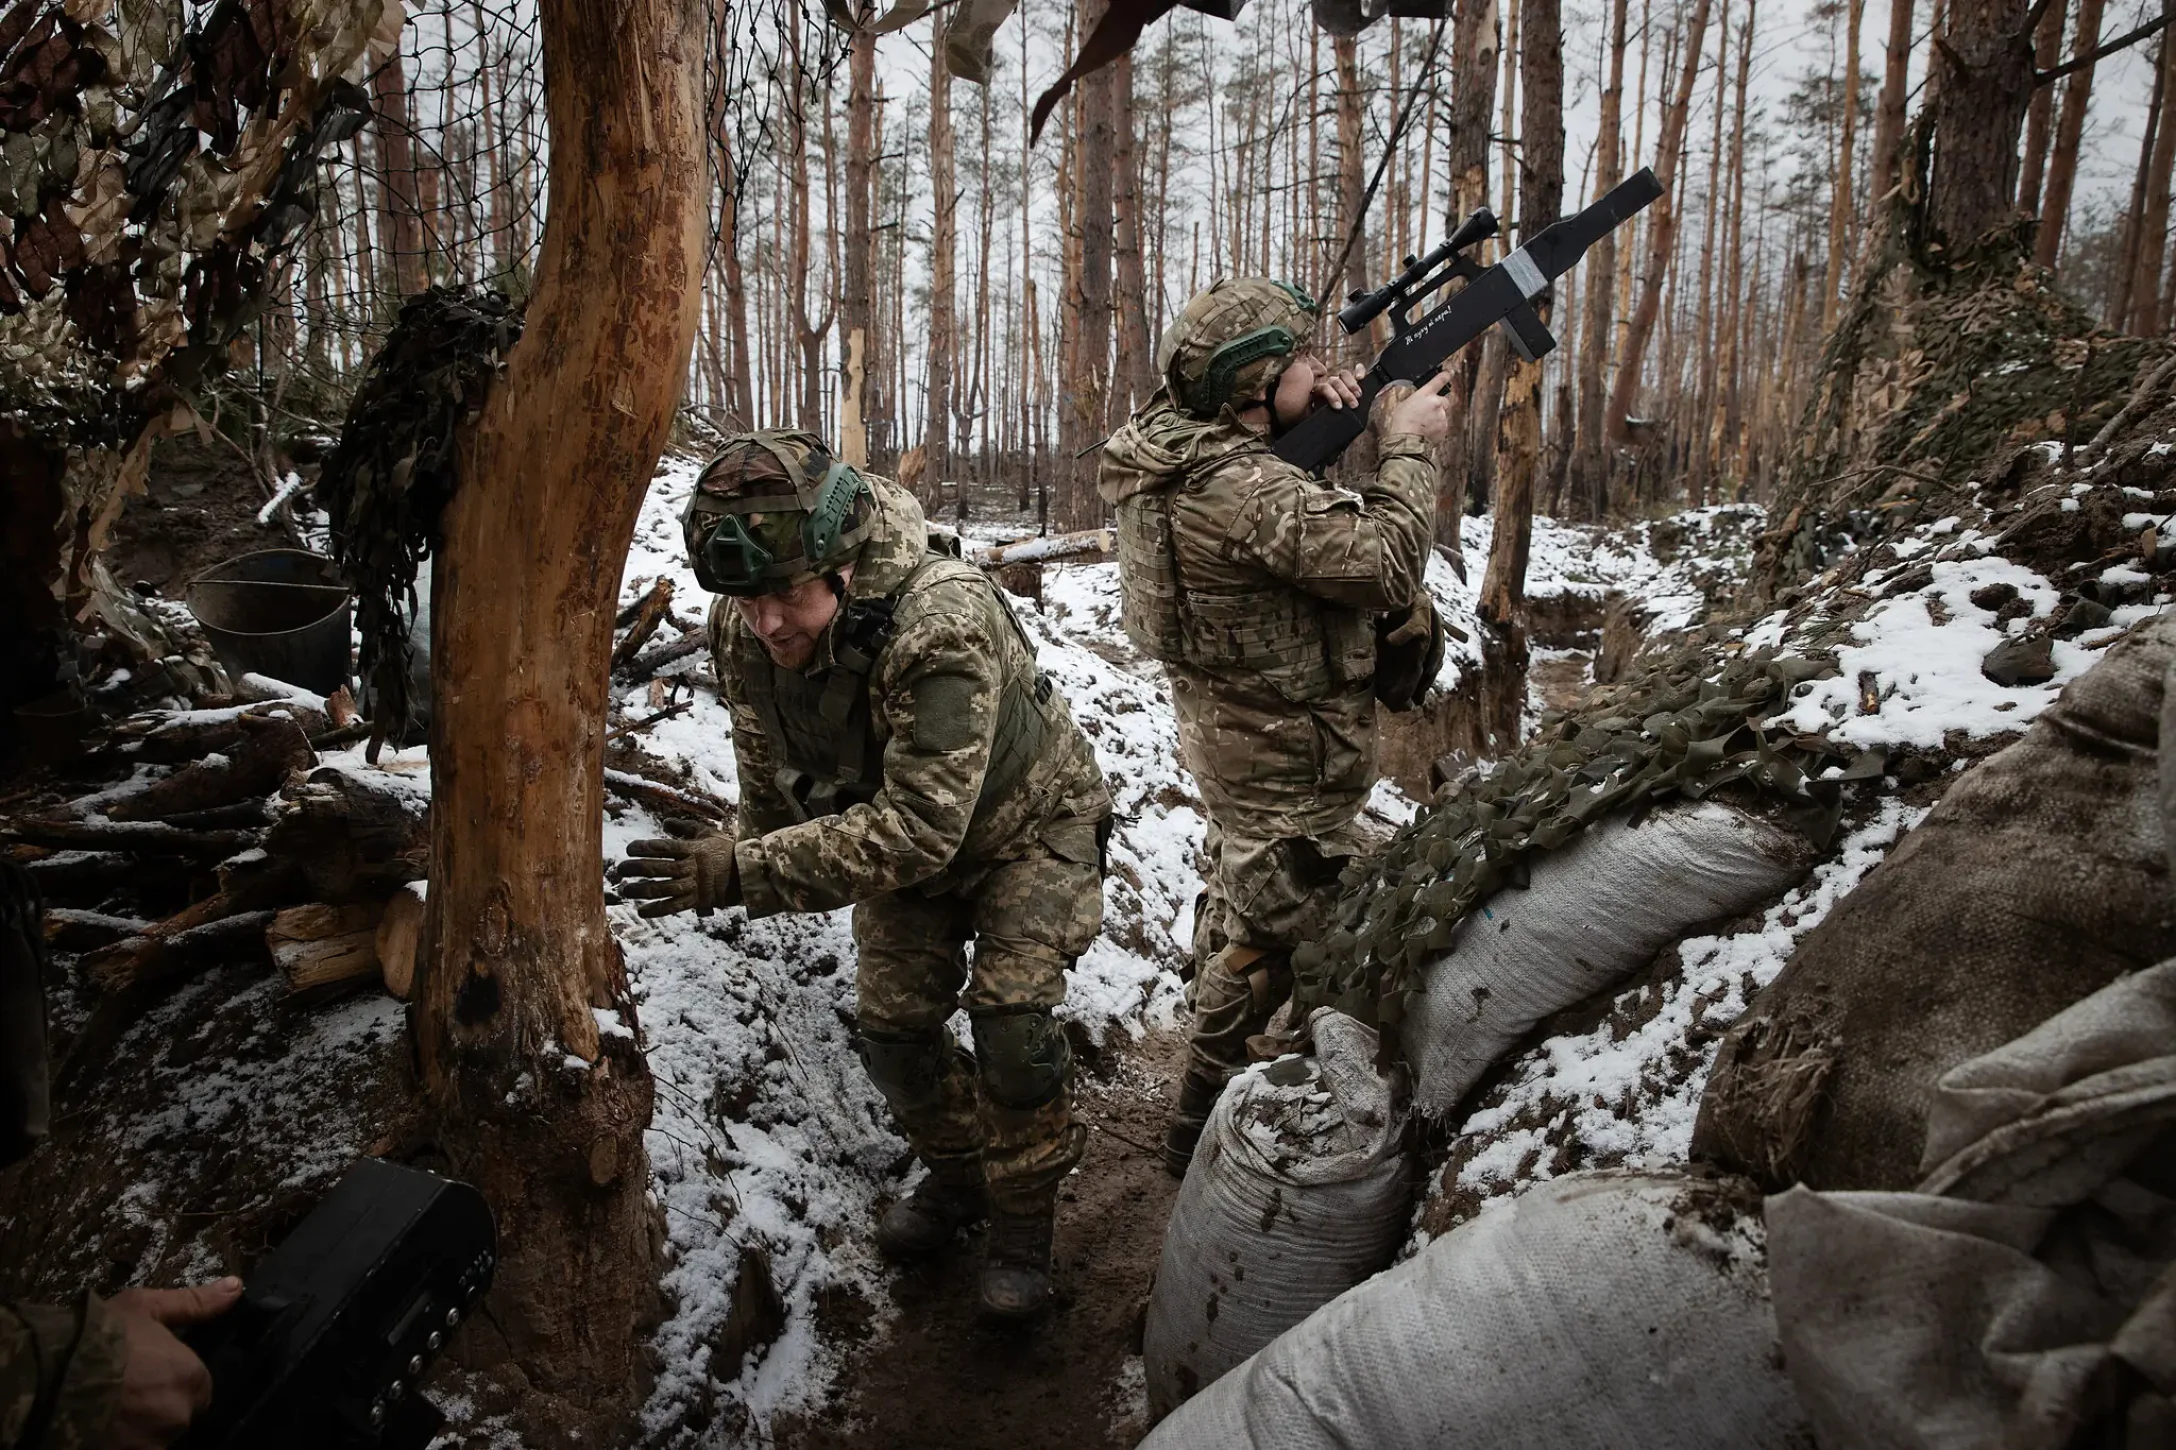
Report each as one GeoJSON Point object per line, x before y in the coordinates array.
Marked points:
{"type": "Point", "coordinates": [1016, 1282]}
{"type": "Point", "coordinates": [1191, 1115]}
{"type": "Point", "coordinates": [921, 1225]}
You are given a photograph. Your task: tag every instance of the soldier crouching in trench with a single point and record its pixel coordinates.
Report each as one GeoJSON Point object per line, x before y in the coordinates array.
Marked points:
{"type": "Point", "coordinates": [899, 751]}
{"type": "Point", "coordinates": [1284, 609]}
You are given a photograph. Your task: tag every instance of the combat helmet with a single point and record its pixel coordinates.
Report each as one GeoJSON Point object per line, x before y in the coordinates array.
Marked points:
{"type": "Point", "coordinates": [772, 510]}
{"type": "Point", "coordinates": [1231, 343]}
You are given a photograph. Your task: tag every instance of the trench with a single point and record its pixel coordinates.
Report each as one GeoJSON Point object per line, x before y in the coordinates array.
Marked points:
{"type": "Point", "coordinates": [935, 1376]}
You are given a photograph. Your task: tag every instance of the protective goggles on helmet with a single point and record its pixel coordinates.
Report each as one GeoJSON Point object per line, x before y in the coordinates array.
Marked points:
{"type": "Point", "coordinates": [731, 558]}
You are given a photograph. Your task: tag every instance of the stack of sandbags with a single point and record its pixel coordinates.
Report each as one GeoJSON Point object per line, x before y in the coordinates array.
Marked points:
{"type": "Point", "coordinates": [1596, 911]}
{"type": "Point", "coordinates": [1620, 1311]}
{"type": "Point", "coordinates": [1297, 1192]}
{"type": "Point", "coordinates": [2025, 1295]}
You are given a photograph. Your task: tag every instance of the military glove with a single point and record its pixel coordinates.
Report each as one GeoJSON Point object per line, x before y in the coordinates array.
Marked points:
{"type": "Point", "coordinates": [670, 876]}
{"type": "Point", "coordinates": [1408, 654]}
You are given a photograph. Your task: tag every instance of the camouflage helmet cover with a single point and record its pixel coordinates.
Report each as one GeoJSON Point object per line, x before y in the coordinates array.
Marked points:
{"type": "Point", "coordinates": [772, 510]}
{"type": "Point", "coordinates": [1230, 343]}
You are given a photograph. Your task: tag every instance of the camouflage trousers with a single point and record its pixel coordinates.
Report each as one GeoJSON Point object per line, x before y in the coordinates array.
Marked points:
{"type": "Point", "coordinates": [1260, 898]}
{"type": "Point", "coordinates": [1026, 921]}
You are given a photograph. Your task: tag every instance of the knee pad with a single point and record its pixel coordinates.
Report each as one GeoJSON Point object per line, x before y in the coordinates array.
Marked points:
{"type": "Point", "coordinates": [1023, 1057]}
{"type": "Point", "coordinates": [907, 1067]}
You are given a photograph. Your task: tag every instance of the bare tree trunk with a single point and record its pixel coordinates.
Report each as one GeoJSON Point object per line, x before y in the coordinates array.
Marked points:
{"type": "Point", "coordinates": [1590, 467]}
{"type": "Point", "coordinates": [400, 223]}
{"type": "Point", "coordinates": [2047, 45]}
{"type": "Point", "coordinates": [943, 247]}
{"type": "Point", "coordinates": [1729, 363]}
{"type": "Point", "coordinates": [1541, 198]}
{"type": "Point", "coordinates": [1696, 428]}
{"type": "Point", "coordinates": [1474, 44]}
{"type": "Point", "coordinates": [1985, 70]}
{"type": "Point", "coordinates": [1085, 390]}
{"type": "Point", "coordinates": [857, 298]}
{"type": "Point", "coordinates": [2129, 234]}
{"type": "Point", "coordinates": [1352, 225]}
{"type": "Point", "coordinates": [2069, 131]}
{"type": "Point", "coordinates": [1135, 377]}
{"type": "Point", "coordinates": [2153, 227]}
{"type": "Point", "coordinates": [518, 961]}
{"type": "Point", "coordinates": [1662, 231]}
{"type": "Point", "coordinates": [1842, 197]}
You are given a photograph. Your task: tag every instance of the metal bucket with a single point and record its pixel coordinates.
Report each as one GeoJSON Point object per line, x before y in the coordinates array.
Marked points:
{"type": "Point", "coordinates": [277, 612]}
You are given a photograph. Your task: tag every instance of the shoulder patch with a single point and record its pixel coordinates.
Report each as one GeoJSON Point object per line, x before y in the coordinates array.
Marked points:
{"type": "Point", "coordinates": [944, 713]}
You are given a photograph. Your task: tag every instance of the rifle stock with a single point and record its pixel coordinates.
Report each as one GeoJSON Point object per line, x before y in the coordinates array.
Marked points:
{"type": "Point", "coordinates": [1503, 294]}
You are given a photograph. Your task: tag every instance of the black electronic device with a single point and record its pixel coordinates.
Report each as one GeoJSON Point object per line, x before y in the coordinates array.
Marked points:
{"type": "Point", "coordinates": [339, 1325]}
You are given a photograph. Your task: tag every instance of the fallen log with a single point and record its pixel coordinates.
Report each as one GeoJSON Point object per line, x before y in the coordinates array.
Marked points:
{"type": "Point", "coordinates": [645, 666]}
{"type": "Point", "coordinates": [269, 747]}
{"type": "Point", "coordinates": [317, 946]}
{"type": "Point", "coordinates": [149, 838]}
{"type": "Point", "coordinates": [679, 800]}
{"type": "Point", "coordinates": [400, 931]}
{"type": "Point", "coordinates": [1086, 546]}
{"type": "Point", "coordinates": [649, 613]}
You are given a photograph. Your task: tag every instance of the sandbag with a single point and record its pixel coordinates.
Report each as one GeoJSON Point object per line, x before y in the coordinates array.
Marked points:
{"type": "Point", "coordinates": [1297, 1192]}
{"type": "Point", "coordinates": [1597, 910]}
{"type": "Point", "coordinates": [1615, 1310]}
{"type": "Point", "coordinates": [2024, 1296]}
{"type": "Point", "coordinates": [2040, 877]}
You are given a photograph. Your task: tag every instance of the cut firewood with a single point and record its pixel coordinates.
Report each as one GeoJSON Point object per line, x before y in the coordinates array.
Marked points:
{"type": "Point", "coordinates": [354, 831]}
{"type": "Point", "coordinates": [150, 838]}
{"type": "Point", "coordinates": [319, 946]}
{"type": "Point", "coordinates": [400, 931]}
{"type": "Point", "coordinates": [673, 799]}
{"type": "Point", "coordinates": [649, 614]}
{"type": "Point", "coordinates": [79, 931]}
{"type": "Point", "coordinates": [269, 748]}
{"type": "Point", "coordinates": [176, 737]}
{"type": "Point", "coordinates": [215, 926]}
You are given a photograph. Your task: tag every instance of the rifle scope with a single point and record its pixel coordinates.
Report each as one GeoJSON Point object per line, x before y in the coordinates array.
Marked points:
{"type": "Point", "coordinates": [1363, 307]}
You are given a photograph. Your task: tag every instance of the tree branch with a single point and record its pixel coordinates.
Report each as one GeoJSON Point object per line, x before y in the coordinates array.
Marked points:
{"type": "Point", "coordinates": [2093, 57]}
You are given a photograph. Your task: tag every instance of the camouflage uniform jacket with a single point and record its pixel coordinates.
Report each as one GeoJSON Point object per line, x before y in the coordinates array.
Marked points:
{"type": "Point", "coordinates": [935, 696]}
{"type": "Point", "coordinates": [60, 1375]}
{"type": "Point", "coordinates": [1279, 577]}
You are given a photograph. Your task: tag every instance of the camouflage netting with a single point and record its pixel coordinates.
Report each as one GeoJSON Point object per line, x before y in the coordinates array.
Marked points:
{"type": "Point", "coordinates": [1678, 730]}
{"type": "Point", "coordinates": [156, 162]}
{"type": "Point", "coordinates": [387, 483]}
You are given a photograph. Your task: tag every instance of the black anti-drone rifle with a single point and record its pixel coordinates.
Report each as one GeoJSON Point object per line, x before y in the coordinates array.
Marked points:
{"type": "Point", "coordinates": [1504, 293]}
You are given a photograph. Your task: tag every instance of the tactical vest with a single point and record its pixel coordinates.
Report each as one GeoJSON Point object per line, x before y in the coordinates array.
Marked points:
{"type": "Point", "coordinates": [1301, 644]}
{"type": "Point", "coordinates": [822, 721]}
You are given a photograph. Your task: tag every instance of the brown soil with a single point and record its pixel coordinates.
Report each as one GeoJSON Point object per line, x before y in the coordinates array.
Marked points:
{"type": "Point", "coordinates": [199, 509]}
{"type": "Point", "coordinates": [938, 1378]}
